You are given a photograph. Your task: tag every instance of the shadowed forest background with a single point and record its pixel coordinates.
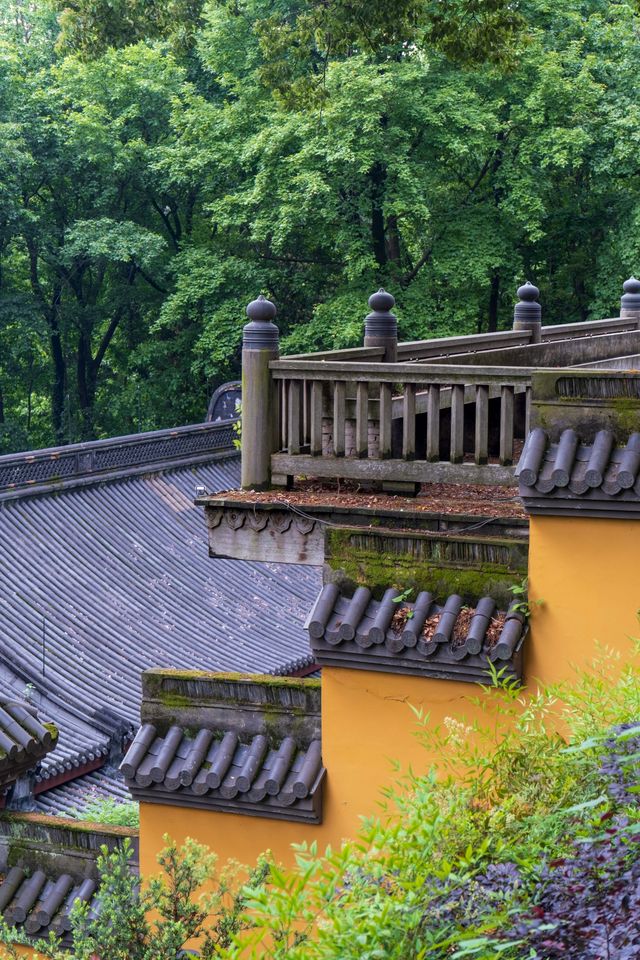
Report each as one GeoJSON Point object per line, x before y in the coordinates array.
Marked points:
{"type": "Point", "coordinates": [162, 163]}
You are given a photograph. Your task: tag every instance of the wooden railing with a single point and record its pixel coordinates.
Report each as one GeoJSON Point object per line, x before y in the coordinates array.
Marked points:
{"type": "Point", "coordinates": [404, 413]}
{"type": "Point", "coordinates": [453, 346]}
{"type": "Point", "coordinates": [398, 422]}
{"type": "Point", "coordinates": [590, 328]}
{"type": "Point", "coordinates": [476, 342]}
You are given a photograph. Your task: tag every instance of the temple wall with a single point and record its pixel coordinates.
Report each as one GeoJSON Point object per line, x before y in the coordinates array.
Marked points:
{"type": "Point", "coordinates": [585, 572]}
{"type": "Point", "coordinates": [367, 726]}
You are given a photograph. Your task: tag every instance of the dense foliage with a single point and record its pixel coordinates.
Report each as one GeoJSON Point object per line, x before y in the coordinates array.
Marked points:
{"type": "Point", "coordinates": [162, 163]}
{"type": "Point", "coordinates": [119, 813]}
{"type": "Point", "coordinates": [524, 844]}
{"type": "Point", "coordinates": [156, 922]}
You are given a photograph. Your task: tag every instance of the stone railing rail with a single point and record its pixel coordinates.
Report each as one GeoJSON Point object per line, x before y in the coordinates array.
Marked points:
{"type": "Point", "coordinates": [61, 467]}
{"type": "Point", "coordinates": [475, 342]}
{"type": "Point", "coordinates": [450, 409]}
{"type": "Point", "coordinates": [386, 422]}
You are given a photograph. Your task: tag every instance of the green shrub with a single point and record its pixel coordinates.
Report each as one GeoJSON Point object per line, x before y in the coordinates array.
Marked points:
{"type": "Point", "coordinates": [189, 899]}
{"type": "Point", "coordinates": [480, 857]}
{"type": "Point", "coordinates": [455, 858]}
{"type": "Point", "coordinates": [109, 811]}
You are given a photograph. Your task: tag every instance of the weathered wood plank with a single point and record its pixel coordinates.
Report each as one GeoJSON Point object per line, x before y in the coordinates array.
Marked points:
{"type": "Point", "coordinates": [450, 346]}
{"type": "Point", "coordinates": [471, 343]}
{"type": "Point", "coordinates": [386, 403]}
{"type": "Point", "coordinates": [267, 543]}
{"type": "Point", "coordinates": [417, 471]}
{"type": "Point", "coordinates": [423, 373]}
{"type": "Point", "coordinates": [315, 439]}
{"type": "Point", "coordinates": [589, 328]}
{"type": "Point", "coordinates": [306, 411]}
{"type": "Point", "coordinates": [433, 424]}
{"type": "Point", "coordinates": [456, 450]}
{"type": "Point", "coordinates": [276, 413]}
{"type": "Point", "coordinates": [481, 449]}
{"type": "Point", "coordinates": [295, 416]}
{"type": "Point", "coordinates": [527, 411]}
{"type": "Point", "coordinates": [362, 419]}
{"type": "Point", "coordinates": [284, 419]}
{"type": "Point", "coordinates": [338, 418]}
{"type": "Point", "coordinates": [409, 421]}
{"type": "Point", "coordinates": [506, 426]}
{"type": "Point", "coordinates": [348, 353]}
{"type": "Point", "coordinates": [422, 400]}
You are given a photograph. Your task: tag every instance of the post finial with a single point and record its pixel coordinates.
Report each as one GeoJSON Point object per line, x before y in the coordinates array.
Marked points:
{"type": "Point", "coordinates": [630, 299]}
{"type": "Point", "coordinates": [528, 292]}
{"type": "Point", "coordinates": [381, 301]}
{"type": "Point", "coordinates": [381, 326]}
{"type": "Point", "coordinates": [261, 310]}
{"type": "Point", "coordinates": [527, 313]}
{"type": "Point", "coordinates": [260, 333]}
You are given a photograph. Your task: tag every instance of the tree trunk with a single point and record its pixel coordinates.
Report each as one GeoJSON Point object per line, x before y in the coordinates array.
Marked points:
{"type": "Point", "coordinates": [393, 240]}
{"type": "Point", "coordinates": [494, 297]}
{"type": "Point", "coordinates": [378, 176]}
{"type": "Point", "coordinates": [57, 390]}
{"type": "Point", "coordinates": [86, 386]}
{"type": "Point", "coordinates": [51, 315]}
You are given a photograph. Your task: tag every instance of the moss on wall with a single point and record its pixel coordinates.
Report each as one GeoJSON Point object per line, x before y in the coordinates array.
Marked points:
{"type": "Point", "coordinates": [377, 570]}
{"type": "Point", "coordinates": [154, 684]}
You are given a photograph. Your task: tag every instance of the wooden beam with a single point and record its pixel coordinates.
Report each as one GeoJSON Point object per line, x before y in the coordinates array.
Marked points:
{"type": "Point", "coordinates": [417, 471]}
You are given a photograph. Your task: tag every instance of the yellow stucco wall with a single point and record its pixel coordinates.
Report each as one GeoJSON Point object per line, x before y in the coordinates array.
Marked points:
{"type": "Point", "coordinates": [367, 723]}
{"type": "Point", "coordinates": [20, 951]}
{"type": "Point", "coordinates": [586, 571]}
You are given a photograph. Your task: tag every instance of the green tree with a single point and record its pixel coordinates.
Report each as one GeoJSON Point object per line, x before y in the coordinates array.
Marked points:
{"type": "Point", "coordinates": [151, 183]}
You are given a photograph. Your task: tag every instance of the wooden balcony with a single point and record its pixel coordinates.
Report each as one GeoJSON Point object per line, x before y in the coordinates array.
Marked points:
{"type": "Point", "coordinates": [397, 415]}
{"type": "Point", "coordinates": [426, 418]}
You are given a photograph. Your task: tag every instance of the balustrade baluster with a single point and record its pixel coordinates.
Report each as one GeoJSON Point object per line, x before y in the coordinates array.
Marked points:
{"type": "Point", "coordinates": [362, 419]}
{"type": "Point", "coordinates": [456, 454]}
{"type": "Point", "coordinates": [409, 421]}
{"type": "Point", "coordinates": [433, 423]}
{"type": "Point", "coordinates": [481, 452]}
{"type": "Point", "coordinates": [506, 425]}
{"type": "Point", "coordinates": [276, 415]}
{"type": "Point", "coordinates": [284, 416]}
{"type": "Point", "coordinates": [316, 418]}
{"type": "Point", "coordinates": [295, 416]}
{"type": "Point", "coordinates": [306, 412]}
{"type": "Point", "coordinates": [339, 413]}
{"type": "Point", "coordinates": [527, 411]}
{"type": "Point", "coordinates": [386, 400]}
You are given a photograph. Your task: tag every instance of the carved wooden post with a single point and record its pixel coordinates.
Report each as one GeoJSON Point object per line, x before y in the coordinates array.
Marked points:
{"type": "Point", "coordinates": [381, 326]}
{"type": "Point", "coordinates": [630, 300]}
{"type": "Point", "coordinates": [527, 314]}
{"type": "Point", "coordinates": [260, 343]}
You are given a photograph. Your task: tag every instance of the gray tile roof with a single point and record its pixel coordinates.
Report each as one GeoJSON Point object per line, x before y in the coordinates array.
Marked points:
{"type": "Point", "coordinates": [24, 740]}
{"type": "Point", "coordinates": [106, 579]}
{"type": "Point", "coordinates": [598, 478]}
{"type": "Point", "coordinates": [424, 637]}
{"type": "Point", "coordinates": [221, 770]}
{"type": "Point", "coordinates": [73, 797]}
{"type": "Point", "coordinates": [38, 904]}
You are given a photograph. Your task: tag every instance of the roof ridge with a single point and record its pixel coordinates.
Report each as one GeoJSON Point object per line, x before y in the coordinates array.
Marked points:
{"type": "Point", "coordinates": [55, 468]}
